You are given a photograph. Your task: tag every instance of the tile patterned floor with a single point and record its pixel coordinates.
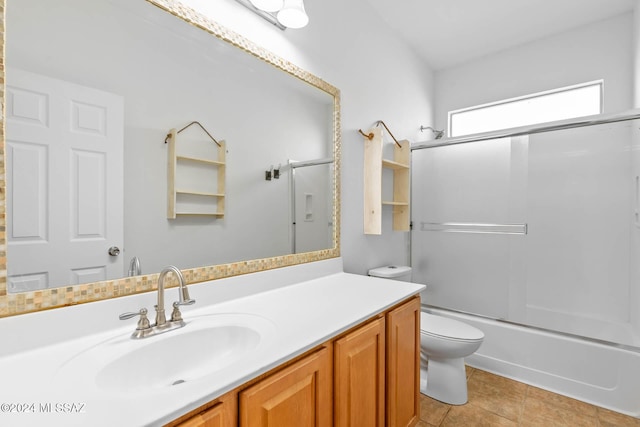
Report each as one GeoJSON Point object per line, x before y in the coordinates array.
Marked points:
{"type": "Point", "coordinates": [496, 401]}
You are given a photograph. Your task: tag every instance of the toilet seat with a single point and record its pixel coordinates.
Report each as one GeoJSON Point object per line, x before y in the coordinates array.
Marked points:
{"type": "Point", "coordinates": [443, 327]}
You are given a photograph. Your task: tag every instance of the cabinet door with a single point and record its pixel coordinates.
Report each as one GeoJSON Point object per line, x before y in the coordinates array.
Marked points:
{"type": "Point", "coordinates": [359, 377]}
{"type": "Point", "coordinates": [222, 414]}
{"type": "Point", "coordinates": [213, 417]}
{"type": "Point", "coordinates": [297, 396]}
{"type": "Point", "coordinates": [403, 364]}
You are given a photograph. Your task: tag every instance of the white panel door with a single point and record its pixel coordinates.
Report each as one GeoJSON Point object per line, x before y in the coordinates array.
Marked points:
{"type": "Point", "coordinates": [64, 182]}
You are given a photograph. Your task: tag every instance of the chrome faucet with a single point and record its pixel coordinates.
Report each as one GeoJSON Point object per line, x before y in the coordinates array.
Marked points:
{"type": "Point", "coordinates": [144, 329]}
{"type": "Point", "coordinates": [183, 297]}
{"type": "Point", "coordinates": [134, 267]}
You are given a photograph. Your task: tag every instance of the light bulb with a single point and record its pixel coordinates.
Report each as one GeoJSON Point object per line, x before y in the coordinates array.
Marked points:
{"type": "Point", "coordinates": [268, 5]}
{"type": "Point", "coordinates": [292, 14]}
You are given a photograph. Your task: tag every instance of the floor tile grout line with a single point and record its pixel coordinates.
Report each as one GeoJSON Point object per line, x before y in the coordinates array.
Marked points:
{"type": "Point", "coordinates": [523, 405]}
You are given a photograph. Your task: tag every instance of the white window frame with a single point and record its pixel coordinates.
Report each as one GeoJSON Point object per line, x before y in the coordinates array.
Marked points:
{"type": "Point", "coordinates": [599, 83]}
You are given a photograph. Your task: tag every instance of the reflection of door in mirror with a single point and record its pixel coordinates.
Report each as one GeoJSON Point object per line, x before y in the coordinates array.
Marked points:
{"type": "Point", "coordinates": [311, 210]}
{"type": "Point", "coordinates": [62, 220]}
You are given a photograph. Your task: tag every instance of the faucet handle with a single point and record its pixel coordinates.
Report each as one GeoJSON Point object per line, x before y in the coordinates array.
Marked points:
{"type": "Point", "coordinates": [176, 316]}
{"type": "Point", "coordinates": [143, 323]}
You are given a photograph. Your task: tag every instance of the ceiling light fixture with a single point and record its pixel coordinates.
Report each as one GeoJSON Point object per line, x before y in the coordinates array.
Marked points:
{"type": "Point", "coordinates": [281, 13]}
{"type": "Point", "coordinates": [268, 5]}
{"type": "Point", "coordinates": [292, 14]}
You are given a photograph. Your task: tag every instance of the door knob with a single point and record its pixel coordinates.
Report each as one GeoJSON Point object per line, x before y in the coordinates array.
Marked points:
{"type": "Point", "coordinates": [114, 251]}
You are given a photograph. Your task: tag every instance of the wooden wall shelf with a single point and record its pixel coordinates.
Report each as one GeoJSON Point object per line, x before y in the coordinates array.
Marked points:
{"type": "Point", "coordinates": [373, 165]}
{"type": "Point", "coordinates": [195, 201]}
{"type": "Point", "coordinates": [195, 159]}
{"type": "Point", "coordinates": [394, 165]}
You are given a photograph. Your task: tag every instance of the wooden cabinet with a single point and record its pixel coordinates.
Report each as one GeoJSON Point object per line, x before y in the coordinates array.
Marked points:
{"type": "Point", "coordinates": [359, 377]}
{"type": "Point", "coordinates": [367, 377]}
{"type": "Point", "coordinates": [213, 417]}
{"type": "Point", "coordinates": [297, 396]}
{"type": "Point", "coordinates": [403, 364]}
{"type": "Point", "coordinates": [221, 412]}
{"type": "Point", "coordinates": [377, 371]}
{"type": "Point", "coordinates": [373, 166]}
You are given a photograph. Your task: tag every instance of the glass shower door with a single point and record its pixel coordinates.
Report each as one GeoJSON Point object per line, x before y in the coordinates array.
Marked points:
{"type": "Point", "coordinates": [540, 229]}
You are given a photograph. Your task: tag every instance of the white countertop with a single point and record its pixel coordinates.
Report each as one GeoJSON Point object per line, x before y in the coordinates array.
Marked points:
{"type": "Point", "coordinates": [302, 315]}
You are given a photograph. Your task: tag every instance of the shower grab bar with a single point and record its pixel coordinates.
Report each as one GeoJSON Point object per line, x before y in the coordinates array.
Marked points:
{"type": "Point", "coordinates": [599, 119]}
{"type": "Point", "coordinates": [478, 228]}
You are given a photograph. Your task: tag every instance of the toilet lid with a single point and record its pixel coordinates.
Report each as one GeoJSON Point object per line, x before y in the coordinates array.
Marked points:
{"type": "Point", "coordinates": [444, 327]}
{"type": "Point", "coordinates": [390, 271]}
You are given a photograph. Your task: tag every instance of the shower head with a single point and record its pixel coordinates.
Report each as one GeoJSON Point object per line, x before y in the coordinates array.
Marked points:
{"type": "Point", "coordinates": [438, 133]}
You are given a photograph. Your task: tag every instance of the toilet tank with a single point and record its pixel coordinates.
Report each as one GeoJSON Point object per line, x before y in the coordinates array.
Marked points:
{"type": "Point", "coordinates": [394, 272]}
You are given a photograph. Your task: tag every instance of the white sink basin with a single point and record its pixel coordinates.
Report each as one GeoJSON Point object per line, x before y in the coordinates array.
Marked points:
{"type": "Point", "coordinates": [206, 345]}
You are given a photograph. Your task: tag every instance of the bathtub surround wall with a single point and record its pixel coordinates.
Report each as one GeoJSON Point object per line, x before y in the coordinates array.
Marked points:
{"type": "Point", "coordinates": [380, 78]}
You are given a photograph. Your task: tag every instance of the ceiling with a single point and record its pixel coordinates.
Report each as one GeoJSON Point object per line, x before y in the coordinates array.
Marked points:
{"type": "Point", "coordinates": [449, 32]}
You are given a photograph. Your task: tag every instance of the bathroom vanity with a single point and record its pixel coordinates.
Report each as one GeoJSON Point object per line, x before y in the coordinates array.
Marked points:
{"type": "Point", "coordinates": [366, 376]}
{"type": "Point", "coordinates": [331, 345]}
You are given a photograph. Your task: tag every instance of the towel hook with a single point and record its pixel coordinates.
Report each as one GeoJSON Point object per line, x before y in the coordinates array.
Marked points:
{"type": "Point", "coordinates": [369, 135]}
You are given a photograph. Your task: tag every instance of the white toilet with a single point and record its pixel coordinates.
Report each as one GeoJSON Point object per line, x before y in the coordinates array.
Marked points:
{"type": "Point", "coordinates": [444, 343]}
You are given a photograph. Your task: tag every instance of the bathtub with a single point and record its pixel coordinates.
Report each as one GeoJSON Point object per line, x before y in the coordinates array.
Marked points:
{"type": "Point", "coordinates": [593, 372]}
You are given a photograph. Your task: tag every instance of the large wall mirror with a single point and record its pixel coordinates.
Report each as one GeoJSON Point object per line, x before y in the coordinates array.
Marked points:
{"type": "Point", "coordinates": [92, 90]}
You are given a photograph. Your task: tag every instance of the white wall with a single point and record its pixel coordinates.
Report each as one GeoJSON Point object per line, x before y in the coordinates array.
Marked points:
{"type": "Point", "coordinates": [380, 78]}
{"type": "Point", "coordinates": [598, 51]}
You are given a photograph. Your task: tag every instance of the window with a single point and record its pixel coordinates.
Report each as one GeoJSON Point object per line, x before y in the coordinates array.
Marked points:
{"type": "Point", "coordinates": [558, 104]}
